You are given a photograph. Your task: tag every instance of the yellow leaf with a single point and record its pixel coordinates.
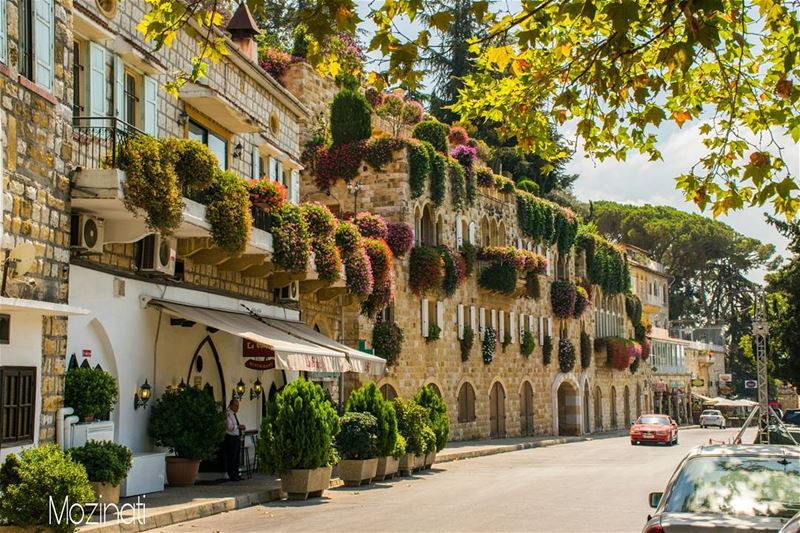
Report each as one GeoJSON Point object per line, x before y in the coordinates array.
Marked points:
{"type": "Point", "coordinates": [500, 55]}
{"type": "Point", "coordinates": [441, 20]}
{"type": "Point", "coordinates": [681, 117]}
{"type": "Point", "coordinates": [519, 66]}
{"type": "Point", "coordinates": [334, 68]}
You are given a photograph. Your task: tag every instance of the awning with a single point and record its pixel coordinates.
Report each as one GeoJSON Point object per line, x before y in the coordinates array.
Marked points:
{"type": "Point", "coordinates": [699, 396]}
{"type": "Point", "coordinates": [360, 362]}
{"type": "Point", "coordinates": [291, 352]}
{"type": "Point", "coordinates": [39, 307]}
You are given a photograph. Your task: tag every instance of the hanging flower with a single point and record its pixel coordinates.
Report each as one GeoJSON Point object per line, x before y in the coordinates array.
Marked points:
{"type": "Point", "coordinates": [348, 238]}
{"type": "Point", "coordinates": [327, 260]}
{"type": "Point", "coordinates": [342, 162]}
{"type": "Point", "coordinates": [358, 270]}
{"type": "Point", "coordinates": [458, 136]}
{"type": "Point", "coordinates": [387, 341]}
{"type": "Point", "coordinates": [581, 302]}
{"type": "Point", "coordinates": [320, 220]}
{"type": "Point", "coordinates": [399, 237]}
{"type": "Point", "coordinates": [488, 345]}
{"type": "Point", "coordinates": [466, 155]}
{"type": "Point", "coordinates": [426, 269]}
{"type": "Point", "coordinates": [562, 296]}
{"type": "Point", "coordinates": [267, 194]}
{"type": "Point", "coordinates": [371, 225]}
{"type": "Point", "coordinates": [566, 355]}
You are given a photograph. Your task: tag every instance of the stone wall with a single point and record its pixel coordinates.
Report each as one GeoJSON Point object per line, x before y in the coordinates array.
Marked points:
{"type": "Point", "coordinates": [36, 157]}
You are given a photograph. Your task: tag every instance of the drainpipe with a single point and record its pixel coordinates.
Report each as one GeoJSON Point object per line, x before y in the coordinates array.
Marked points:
{"type": "Point", "coordinates": [64, 420]}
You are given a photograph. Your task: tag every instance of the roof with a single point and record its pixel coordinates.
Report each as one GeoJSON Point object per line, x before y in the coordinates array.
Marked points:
{"type": "Point", "coordinates": [242, 23]}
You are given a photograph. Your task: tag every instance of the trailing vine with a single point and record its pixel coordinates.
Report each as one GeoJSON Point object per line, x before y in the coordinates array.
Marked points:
{"type": "Point", "coordinates": [458, 183]}
{"type": "Point", "coordinates": [426, 269]}
{"type": "Point", "coordinates": [387, 341]}
{"type": "Point", "coordinates": [566, 355]}
{"type": "Point", "coordinates": [489, 344]}
{"type": "Point", "coordinates": [527, 343]}
{"type": "Point", "coordinates": [438, 176]}
{"type": "Point", "coordinates": [606, 265]}
{"type": "Point", "coordinates": [466, 342]}
{"type": "Point", "coordinates": [418, 167]}
{"type": "Point", "coordinates": [547, 350]}
{"type": "Point", "coordinates": [228, 212]}
{"type": "Point", "coordinates": [586, 350]}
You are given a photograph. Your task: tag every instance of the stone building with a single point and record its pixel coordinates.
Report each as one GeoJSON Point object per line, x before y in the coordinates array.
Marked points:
{"type": "Point", "coordinates": [512, 395]}
{"type": "Point", "coordinates": [650, 282]}
{"type": "Point", "coordinates": [35, 162]}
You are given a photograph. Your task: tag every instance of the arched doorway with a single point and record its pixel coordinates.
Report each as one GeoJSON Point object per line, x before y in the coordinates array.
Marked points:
{"type": "Point", "coordinates": [526, 409]}
{"type": "Point", "coordinates": [627, 406]}
{"type": "Point", "coordinates": [466, 403]}
{"type": "Point", "coordinates": [586, 422]}
{"type": "Point", "coordinates": [613, 400]}
{"type": "Point", "coordinates": [569, 420]}
{"type": "Point", "coordinates": [435, 389]}
{"type": "Point", "coordinates": [598, 409]}
{"type": "Point", "coordinates": [497, 411]}
{"type": "Point", "coordinates": [388, 392]}
{"type": "Point", "coordinates": [638, 400]}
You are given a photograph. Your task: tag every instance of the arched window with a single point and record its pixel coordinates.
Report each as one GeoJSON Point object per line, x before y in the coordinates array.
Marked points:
{"type": "Point", "coordinates": [493, 239]}
{"type": "Point", "coordinates": [435, 389]}
{"type": "Point", "coordinates": [471, 233]}
{"type": "Point", "coordinates": [466, 403]}
{"type": "Point", "coordinates": [501, 234]}
{"type": "Point", "coordinates": [388, 392]}
{"type": "Point", "coordinates": [417, 227]}
{"type": "Point", "coordinates": [439, 237]}
{"type": "Point", "coordinates": [485, 233]}
{"type": "Point", "coordinates": [428, 227]}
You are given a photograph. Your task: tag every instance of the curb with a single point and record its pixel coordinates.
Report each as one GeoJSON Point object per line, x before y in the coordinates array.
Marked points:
{"type": "Point", "coordinates": [505, 448]}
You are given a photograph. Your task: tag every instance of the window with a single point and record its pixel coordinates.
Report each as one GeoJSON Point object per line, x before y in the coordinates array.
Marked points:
{"type": "Point", "coordinates": [36, 41]}
{"type": "Point", "coordinates": [217, 144]}
{"type": "Point", "coordinates": [466, 403]}
{"type": "Point", "coordinates": [17, 401]}
{"type": "Point", "coordinates": [3, 34]}
{"type": "Point", "coordinates": [78, 78]}
{"type": "Point", "coordinates": [25, 65]}
{"type": "Point", "coordinates": [131, 99]}
{"type": "Point", "coordinates": [5, 329]}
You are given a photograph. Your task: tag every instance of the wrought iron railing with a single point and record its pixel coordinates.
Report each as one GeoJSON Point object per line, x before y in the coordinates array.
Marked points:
{"type": "Point", "coordinates": [260, 218]}
{"type": "Point", "coordinates": [97, 140]}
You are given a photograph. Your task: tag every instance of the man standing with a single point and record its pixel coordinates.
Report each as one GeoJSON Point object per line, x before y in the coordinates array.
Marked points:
{"type": "Point", "coordinates": [233, 431]}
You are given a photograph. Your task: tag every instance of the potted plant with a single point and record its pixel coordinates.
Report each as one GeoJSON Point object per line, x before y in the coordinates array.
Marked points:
{"type": "Point", "coordinates": [107, 464]}
{"type": "Point", "coordinates": [297, 439]}
{"type": "Point", "coordinates": [357, 443]}
{"type": "Point", "coordinates": [439, 420]}
{"type": "Point", "coordinates": [189, 423]}
{"type": "Point", "coordinates": [90, 392]}
{"type": "Point", "coordinates": [368, 399]}
{"type": "Point", "coordinates": [414, 426]}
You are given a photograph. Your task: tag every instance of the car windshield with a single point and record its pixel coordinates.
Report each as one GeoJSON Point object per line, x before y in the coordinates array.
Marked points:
{"type": "Point", "coordinates": [737, 486]}
{"type": "Point", "coordinates": [710, 413]}
{"type": "Point", "coordinates": [653, 420]}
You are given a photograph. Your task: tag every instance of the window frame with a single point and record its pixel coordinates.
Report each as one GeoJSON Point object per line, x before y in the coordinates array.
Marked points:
{"type": "Point", "coordinates": [19, 371]}
{"type": "Point", "coordinates": [207, 132]}
{"type": "Point", "coordinates": [128, 75]}
{"type": "Point", "coordinates": [79, 80]}
{"type": "Point", "coordinates": [25, 44]}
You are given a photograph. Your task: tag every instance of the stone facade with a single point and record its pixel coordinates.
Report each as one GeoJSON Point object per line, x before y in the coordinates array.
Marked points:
{"type": "Point", "coordinates": [36, 157]}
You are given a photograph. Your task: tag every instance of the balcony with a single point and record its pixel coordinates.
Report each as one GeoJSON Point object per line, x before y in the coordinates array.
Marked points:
{"type": "Point", "coordinates": [98, 190]}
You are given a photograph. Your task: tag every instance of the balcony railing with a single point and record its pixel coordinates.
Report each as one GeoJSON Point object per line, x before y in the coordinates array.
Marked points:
{"type": "Point", "coordinates": [260, 218]}
{"type": "Point", "coordinates": [97, 140]}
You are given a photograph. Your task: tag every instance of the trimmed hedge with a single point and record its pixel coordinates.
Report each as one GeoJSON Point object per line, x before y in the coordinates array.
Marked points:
{"type": "Point", "coordinates": [351, 117]}
{"type": "Point", "coordinates": [433, 132]}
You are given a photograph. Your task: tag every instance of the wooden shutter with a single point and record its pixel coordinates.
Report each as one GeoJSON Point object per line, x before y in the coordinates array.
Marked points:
{"type": "Point", "coordinates": [150, 106]}
{"type": "Point", "coordinates": [424, 316]}
{"type": "Point", "coordinates": [521, 326]}
{"type": "Point", "coordinates": [460, 320]}
{"type": "Point", "coordinates": [512, 325]}
{"type": "Point", "coordinates": [459, 233]}
{"type": "Point", "coordinates": [502, 333]}
{"type": "Point", "coordinates": [3, 33]}
{"type": "Point", "coordinates": [17, 404]}
{"type": "Point", "coordinates": [494, 320]}
{"type": "Point", "coordinates": [470, 403]}
{"type": "Point", "coordinates": [119, 89]}
{"type": "Point", "coordinates": [440, 315]}
{"type": "Point", "coordinates": [472, 233]}
{"type": "Point", "coordinates": [98, 106]}
{"type": "Point", "coordinates": [279, 173]}
{"type": "Point", "coordinates": [255, 163]}
{"type": "Point", "coordinates": [541, 330]}
{"type": "Point", "coordinates": [482, 322]}
{"type": "Point", "coordinates": [295, 186]}
{"type": "Point", "coordinates": [43, 43]}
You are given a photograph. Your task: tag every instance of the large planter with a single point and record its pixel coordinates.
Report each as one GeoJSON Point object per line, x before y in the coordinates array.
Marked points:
{"type": "Point", "coordinates": [182, 472]}
{"type": "Point", "coordinates": [301, 484]}
{"type": "Point", "coordinates": [387, 468]}
{"type": "Point", "coordinates": [430, 458]}
{"type": "Point", "coordinates": [406, 464]}
{"type": "Point", "coordinates": [419, 462]}
{"type": "Point", "coordinates": [354, 472]}
{"type": "Point", "coordinates": [105, 492]}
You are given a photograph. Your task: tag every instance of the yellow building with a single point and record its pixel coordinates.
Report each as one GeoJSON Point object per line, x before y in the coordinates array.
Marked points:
{"type": "Point", "coordinates": [650, 282]}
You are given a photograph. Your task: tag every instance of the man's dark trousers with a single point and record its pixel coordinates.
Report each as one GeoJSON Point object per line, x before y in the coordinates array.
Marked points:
{"type": "Point", "coordinates": [232, 456]}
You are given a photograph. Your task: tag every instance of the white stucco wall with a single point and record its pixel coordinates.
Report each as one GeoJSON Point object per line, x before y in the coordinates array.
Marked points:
{"type": "Point", "coordinates": [122, 332]}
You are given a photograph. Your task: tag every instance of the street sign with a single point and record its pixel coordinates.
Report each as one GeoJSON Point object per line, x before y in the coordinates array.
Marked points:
{"type": "Point", "coordinates": [698, 382]}
{"type": "Point", "coordinates": [726, 378]}
{"type": "Point", "coordinates": [750, 384]}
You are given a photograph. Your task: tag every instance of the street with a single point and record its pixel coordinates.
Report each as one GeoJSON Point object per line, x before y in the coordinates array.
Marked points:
{"type": "Point", "coordinates": [599, 485]}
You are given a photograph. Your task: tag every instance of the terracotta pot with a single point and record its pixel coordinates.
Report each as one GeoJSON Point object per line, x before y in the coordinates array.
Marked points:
{"type": "Point", "coordinates": [182, 472]}
{"type": "Point", "coordinates": [430, 458]}
{"type": "Point", "coordinates": [406, 464]}
{"type": "Point", "coordinates": [419, 462]}
{"type": "Point", "coordinates": [300, 484]}
{"type": "Point", "coordinates": [354, 472]}
{"type": "Point", "coordinates": [387, 468]}
{"type": "Point", "coordinates": [105, 492]}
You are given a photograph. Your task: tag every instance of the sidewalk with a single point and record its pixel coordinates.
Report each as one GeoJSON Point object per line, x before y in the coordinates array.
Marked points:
{"type": "Point", "coordinates": [181, 504]}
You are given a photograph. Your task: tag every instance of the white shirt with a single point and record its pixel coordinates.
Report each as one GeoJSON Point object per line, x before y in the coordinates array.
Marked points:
{"type": "Point", "coordinates": [231, 425]}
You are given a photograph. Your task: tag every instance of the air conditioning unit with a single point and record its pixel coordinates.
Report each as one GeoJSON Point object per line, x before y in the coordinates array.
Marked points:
{"type": "Point", "coordinates": [86, 233]}
{"type": "Point", "coordinates": [158, 254]}
{"type": "Point", "coordinates": [289, 293]}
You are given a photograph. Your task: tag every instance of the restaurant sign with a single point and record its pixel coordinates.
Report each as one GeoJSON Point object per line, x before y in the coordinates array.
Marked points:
{"type": "Point", "coordinates": [323, 376]}
{"type": "Point", "coordinates": [261, 356]}
{"type": "Point", "coordinates": [268, 363]}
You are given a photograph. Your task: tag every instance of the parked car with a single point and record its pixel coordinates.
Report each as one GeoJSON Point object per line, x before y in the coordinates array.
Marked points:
{"type": "Point", "coordinates": [729, 489]}
{"type": "Point", "coordinates": [654, 428]}
{"type": "Point", "coordinates": [793, 525]}
{"type": "Point", "coordinates": [792, 416]}
{"type": "Point", "coordinates": [712, 417]}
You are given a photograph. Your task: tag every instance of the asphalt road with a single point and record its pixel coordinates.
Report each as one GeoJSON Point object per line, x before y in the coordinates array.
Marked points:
{"type": "Point", "coordinates": [598, 485]}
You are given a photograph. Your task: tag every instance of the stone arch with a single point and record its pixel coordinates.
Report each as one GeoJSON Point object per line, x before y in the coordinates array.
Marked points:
{"type": "Point", "coordinates": [493, 232]}
{"type": "Point", "coordinates": [586, 399]}
{"type": "Point", "coordinates": [501, 234]}
{"type": "Point", "coordinates": [598, 409]}
{"type": "Point", "coordinates": [391, 382]}
{"type": "Point", "coordinates": [612, 398]}
{"type": "Point", "coordinates": [497, 409]}
{"type": "Point", "coordinates": [439, 229]}
{"type": "Point", "coordinates": [485, 235]}
{"type": "Point", "coordinates": [526, 408]}
{"type": "Point", "coordinates": [435, 386]}
{"type": "Point", "coordinates": [417, 225]}
{"type": "Point", "coordinates": [428, 226]}
{"type": "Point", "coordinates": [566, 405]}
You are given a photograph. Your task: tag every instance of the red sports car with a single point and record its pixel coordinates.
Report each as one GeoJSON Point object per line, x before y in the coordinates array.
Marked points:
{"type": "Point", "coordinates": [655, 428]}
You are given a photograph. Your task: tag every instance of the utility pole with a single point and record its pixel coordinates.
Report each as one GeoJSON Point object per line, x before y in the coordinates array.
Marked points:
{"type": "Point", "coordinates": [760, 334]}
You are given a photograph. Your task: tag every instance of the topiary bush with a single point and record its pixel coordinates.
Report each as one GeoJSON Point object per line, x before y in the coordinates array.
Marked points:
{"type": "Point", "coordinates": [400, 445]}
{"type": "Point", "coordinates": [426, 269]}
{"type": "Point", "coordinates": [414, 425]}
{"type": "Point", "coordinates": [566, 355]}
{"type": "Point", "coordinates": [527, 344]}
{"type": "Point", "coordinates": [291, 240]}
{"type": "Point", "coordinates": [466, 342]}
{"type": "Point", "coordinates": [90, 392]}
{"type": "Point", "coordinates": [499, 278]}
{"type": "Point", "coordinates": [437, 414]}
{"type": "Point", "coordinates": [562, 297]}
{"type": "Point", "coordinates": [488, 344]}
{"type": "Point", "coordinates": [357, 438]}
{"type": "Point", "coordinates": [433, 132]}
{"type": "Point", "coordinates": [28, 481]}
{"type": "Point", "coordinates": [547, 350]}
{"type": "Point", "coordinates": [528, 186]}
{"type": "Point", "coordinates": [228, 212]}
{"type": "Point", "coordinates": [399, 237]}
{"type": "Point", "coordinates": [387, 341]}
{"type": "Point", "coordinates": [105, 462]}
{"type": "Point", "coordinates": [298, 430]}
{"type": "Point", "coordinates": [188, 422]}
{"type": "Point", "coordinates": [586, 350]}
{"type": "Point", "coordinates": [351, 118]}
{"type": "Point", "coordinates": [368, 399]}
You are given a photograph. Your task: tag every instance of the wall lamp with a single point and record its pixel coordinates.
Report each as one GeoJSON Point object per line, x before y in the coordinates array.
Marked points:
{"type": "Point", "coordinates": [237, 151]}
{"type": "Point", "coordinates": [182, 385]}
{"type": "Point", "coordinates": [183, 118]}
{"type": "Point", "coordinates": [240, 389]}
{"type": "Point", "coordinates": [141, 397]}
{"type": "Point", "coordinates": [256, 390]}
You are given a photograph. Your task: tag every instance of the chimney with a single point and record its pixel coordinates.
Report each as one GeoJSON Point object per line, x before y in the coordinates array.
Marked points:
{"type": "Point", "coordinates": [243, 30]}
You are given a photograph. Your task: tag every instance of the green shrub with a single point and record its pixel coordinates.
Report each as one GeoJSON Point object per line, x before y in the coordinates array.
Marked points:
{"type": "Point", "coordinates": [547, 350]}
{"type": "Point", "coordinates": [437, 413]}
{"type": "Point", "coordinates": [506, 340]}
{"type": "Point", "coordinates": [196, 165]}
{"type": "Point", "coordinates": [399, 447]}
{"type": "Point", "coordinates": [351, 118]}
{"type": "Point", "coordinates": [90, 392]}
{"type": "Point", "coordinates": [300, 42]}
{"type": "Point", "coordinates": [298, 430]}
{"type": "Point", "coordinates": [470, 255]}
{"type": "Point", "coordinates": [368, 399]}
{"type": "Point", "coordinates": [419, 166]}
{"type": "Point", "coordinates": [438, 175]}
{"type": "Point", "coordinates": [466, 342]}
{"type": "Point", "coordinates": [357, 438]}
{"type": "Point", "coordinates": [228, 212]}
{"type": "Point", "coordinates": [105, 462]}
{"type": "Point", "coordinates": [586, 350]}
{"type": "Point", "coordinates": [28, 481]}
{"type": "Point", "coordinates": [528, 186]}
{"type": "Point", "coordinates": [387, 341]}
{"type": "Point", "coordinates": [499, 278]}
{"type": "Point", "coordinates": [414, 426]}
{"type": "Point", "coordinates": [434, 132]}
{"type": "Point", "coordinates": [527, 344]}
{"type": "Point", "coordinates": [188, 422]}
{"type": "Point", "coordinates": [434, 333]}
{"type": "Point", "coordinates": [151, 184]}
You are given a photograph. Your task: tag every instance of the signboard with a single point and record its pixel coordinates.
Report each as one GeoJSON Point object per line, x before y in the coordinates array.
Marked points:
{"type": "Point", "coordinates": [87, 353]}
{"type": "Point", "coordinates": [256, 349]}
{"type": "Point", "coordinates": [698, 382]}
{"type": "Point", "coordinates": [750, 384]}
{"type": "Point", "coordinates": [660, 387]}
{"type": "Point", "coordinates": [268, 363]}
{"type": "Point", "coordinates": [725, 378]}
{"type": "Point", "coordinates": [323, 376]}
